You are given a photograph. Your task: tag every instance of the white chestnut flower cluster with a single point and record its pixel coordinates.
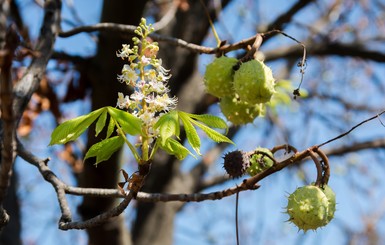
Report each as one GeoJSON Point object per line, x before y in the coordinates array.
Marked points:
{"type": "Point", "coordinates": [148, 78]}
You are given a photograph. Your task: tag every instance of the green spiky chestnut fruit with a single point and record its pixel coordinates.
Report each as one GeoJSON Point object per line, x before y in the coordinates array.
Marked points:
{"type": "Point", "coordinates": [254, 82]}
{"type": "Point", "coordinates": [260, 162]}
{"type": "Point", "coordinates": [308, 208]}
{"type": "Point", "coordinates": [331, 196]}
{"type": "Point", "coordinates": [236, 163]}
{"type": "Point", "coordinates": [218, 77]}
{"type": "Point", "coordinates": [240, 112]}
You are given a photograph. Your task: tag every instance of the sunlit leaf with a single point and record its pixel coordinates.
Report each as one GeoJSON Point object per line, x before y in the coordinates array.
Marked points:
{"type": "Point", "coordinates": [168, 125]}
{"type": "Point", "coordinates": [173, 147]}
{"type": "Point", "coordinates": [72, 129]}
{"type": "Point", "coordinates": [100, 123]}
{"type": "Point", "coordinates": [191, 133]}
{"type": "Point", "coordinates": [212, 134]}
{"type": "Point", "coordinates": [128, 122]}
{"type": "Point", "coordinates": [210, 120]}
{"type": "Point", "coordinates": [110, 127]}
{"type": "Point", "coordinates": [105, 148]}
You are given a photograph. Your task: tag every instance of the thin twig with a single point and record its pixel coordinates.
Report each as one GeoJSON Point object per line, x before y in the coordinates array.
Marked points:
{"type": "Point", "coordinates": [65, 222]}
{"type": "Point", "coordinates": [50, 177]}
{"type": "Point", "coordinates": [236, 217]}
{"type": "Point", "coordinates": [30, 82]}
{"type": "Point", "coordinates": [167, 18]}
{"type": "Point", "coordinates": [348, 132]}
{"type": "Point", "coordinates": [301, 64]}
{"type": "Point", "coordinates": [325, 166]}
{"type": "Point", "coordinates": [317, 163]}
{"type": "Point", "coordinates": [101, 218]}
{"type": "Point", "coordinates": [129, 29]}
{"type": "Point", "coordinates": [211, 23]}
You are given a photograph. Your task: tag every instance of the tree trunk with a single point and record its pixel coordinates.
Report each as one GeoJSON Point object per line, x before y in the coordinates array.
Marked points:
{"type": "Point", "coordinates": [10, 234]}
{"type": "Point", "coordinates": [154, 221]}
{"type": "Point", "coordinates": [105, 68]}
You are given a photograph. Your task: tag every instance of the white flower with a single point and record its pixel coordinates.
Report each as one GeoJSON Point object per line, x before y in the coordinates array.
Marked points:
{"type": "Point", "coordinates": [128, 76]}
{"type": "Point", "coordinates": [164, 74]}
{"type": "Point", "coordinates": [123, 101]}
{"type": "Point", "coordinates": [137, 97]}
{"type": "Point", "coordinates": [151, 74]}
{"type": "Point", "coordinates": [147, 117]}
{"type": "Point", "coordinates": [157, 87]}
{"type": "Point", "coordinates": [145, 61]}
{"type": "Point", "coordinates": [140, 84]}
{"type": "Point", "coordinates": [125, 52]}
{"type": "Point", "coordinates": [165, 103]}
{"type": "Point", "coordinates": [145, 73]}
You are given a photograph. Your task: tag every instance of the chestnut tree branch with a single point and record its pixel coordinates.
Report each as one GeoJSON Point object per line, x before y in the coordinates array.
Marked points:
{"type": "Point", "coordinates": [340, 49]}
{"type": "Point", "coordinates": [355, 147]}
{"type": "Point", "coordinates": [323, 49]}
{"type": "Point", "coordinates": [29, 83]}
{"type": "Point", "coordinates": [251, 183]}
{"type": "Point", "coordinates": [61, 189]}
{"type": "Point", "coordinates": [286, 17]}
{"type": "Point", "coordinates": [354, 127]}
{"type": "Point", "coordinates": [50, 177]}
{"type": "Point", "coordinates": [129, 29]}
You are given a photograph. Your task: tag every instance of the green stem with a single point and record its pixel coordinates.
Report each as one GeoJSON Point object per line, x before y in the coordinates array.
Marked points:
{"type": "Point", "coordinates": [154, 150]}
{"type": "Point", "coordinates": [132, 148]}
{"type": "Point", "coordinates": [211, 24]}
{"type": "Point", "coordinates": [145, 149]}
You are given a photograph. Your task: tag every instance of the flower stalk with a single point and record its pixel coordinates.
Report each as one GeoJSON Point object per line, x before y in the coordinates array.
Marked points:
{"type": "Point", "coordinates": [145, 74]}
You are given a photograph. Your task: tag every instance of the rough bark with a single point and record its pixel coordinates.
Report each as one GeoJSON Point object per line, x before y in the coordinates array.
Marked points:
{"type": "Point", "coordinates": [105, 87]}
{"type": "Point", "coordinates": [10, 235]}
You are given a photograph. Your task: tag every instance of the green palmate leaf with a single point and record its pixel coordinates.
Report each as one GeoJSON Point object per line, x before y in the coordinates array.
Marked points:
{"type": "Point", "coordinates": [110, 127]}
{"type": "Point", "coordinates": [168, 125]}
{"type": "Point", "coordinates": [129, 123]}
{"type": "Point", "coordinates": [105, 148]}
{"type": "Point", "coordinates": [209, 120]}
{"type": "Point", "coordinates": [173, 147]}
{"type": "Point", "coordinates": [212, 134]}
{"type": "Point", "coordinates": [191, 133]}
{"type": "Point", "coordinates": [100, 123]}
{"type": "Point", "coordinates": [72, 129]}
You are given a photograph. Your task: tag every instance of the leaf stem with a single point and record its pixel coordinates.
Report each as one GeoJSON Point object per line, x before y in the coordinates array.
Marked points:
{"type": "Point", "coordinates": [132, 148]}
{"type": "Point", "coordinates": [211, 25]}
{"type": "Point", "coordinates": [154, 150]}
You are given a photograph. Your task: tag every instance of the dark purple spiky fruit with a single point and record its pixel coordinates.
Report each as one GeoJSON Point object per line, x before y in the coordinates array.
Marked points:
{"type": "Point", "coordinates": [236, 163]}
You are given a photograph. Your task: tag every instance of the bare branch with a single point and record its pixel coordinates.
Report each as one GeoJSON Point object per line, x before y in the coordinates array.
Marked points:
{"type": "Point", "coordinates": [50, 177]}
{"type": "Point", "coordinates": [31, 79]}
{"type": "Point", "coordinates": [129, 29]}
{"type": "Point", "coordinates": [213, 181]}
{"type": "Point", "coordinates": [286, 17]}
{"type": "Point", "coordinates": [372, 144]}
{"type": "Point", "coordinates": [324, 48]}
{"type": "Point", "coordinates": [348, 50]}
{"type": "Point", "coordinates": [247, 184]}
{"type": "Point", "coordinates": [100, 218]}
{"type": "Point", "coordinates": [348, 132]}
{"type": "Point", "coordinates": [167, 18]}
{"type": "Point", "coordinates": [67, 57]}
{"type": "Point", "coordinates": [65, 222]}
